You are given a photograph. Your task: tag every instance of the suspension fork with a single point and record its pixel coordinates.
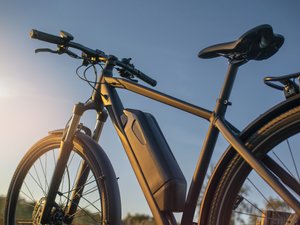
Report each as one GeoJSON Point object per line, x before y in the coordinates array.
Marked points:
{"type": "Point", "coordinates": [83, 174]}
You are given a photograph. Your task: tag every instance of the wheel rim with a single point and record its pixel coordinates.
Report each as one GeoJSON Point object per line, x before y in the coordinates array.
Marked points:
{"type": "Point", "coordinates": [256, 200]}
{"type": "Point", "coordinates": [28, 198]}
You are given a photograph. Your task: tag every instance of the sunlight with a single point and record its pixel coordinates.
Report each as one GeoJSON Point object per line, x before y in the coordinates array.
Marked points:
{"type": "Point", "coordinates": [5, 92]}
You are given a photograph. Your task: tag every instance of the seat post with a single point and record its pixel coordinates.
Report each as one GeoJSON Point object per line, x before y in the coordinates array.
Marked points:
{"type": "Point", "coordinates": [223, 100]}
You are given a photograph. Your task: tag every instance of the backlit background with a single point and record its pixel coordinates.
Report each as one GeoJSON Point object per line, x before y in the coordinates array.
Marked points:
{"type": "Point", "coordinates": [38, 91]}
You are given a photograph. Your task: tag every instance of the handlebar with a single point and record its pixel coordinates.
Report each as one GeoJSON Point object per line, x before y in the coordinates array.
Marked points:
{"type": "Point", "coordinates": [137, 73]}
{"type": "Point", "coordinates": [35, 34]}
{"type": "Point", "coordinates": [64, 42]}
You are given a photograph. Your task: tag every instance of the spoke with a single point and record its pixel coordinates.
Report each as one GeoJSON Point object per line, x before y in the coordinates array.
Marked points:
{"type": "Point", "coordinates": [28, 204]}
{"type": "Point", "coordinates": [40, 185]}
{"type": "Point", "coordinates": [248, 214]}
{"type": "Point", "coordinates": [91, 214]}
{"type": "Point", "coordinates": [91, 190]}
{"type": "Point", "coordinates": [69, 180]}
{"type": "Point", "coordinates": [90, 177]}
{"type": "Point", "coordinates": [43, 170]}
{"type": "Point", "coordinates": [292, 155]}
{"type": "Point", "coordinates": [262, 216]}
{"type": "Point", "coordinates": [102, 177]}
{"type": "Point", "coordinates": [62, 185]}
{"type": "Point", "coordinates": [83, 209]}
{"type": "Point", "coordinates": [91, 203]}
{"type": "Point", "coordinates": [31, 198]}
{"type": "Point", "coordinates": [38, 177]}
{"type": "Point", "coordinates": [282, 163]}
{"type": "Point", "coordinates": [264, 197]}
{"type": "Point", "coordinates": [71, 159]}
{"type": "Point", "coordinates": [69, 187]}
{"type": "Point", "coordinates": [78, 168]}
{"type": "Point", "coordinates": [253, 205]}
{"type": "Point", "coordinates": [79, 175]}
{"type": "Point", "coordinates": [29, 192]}
{"type": "Point", "coordinates": [259, 216]}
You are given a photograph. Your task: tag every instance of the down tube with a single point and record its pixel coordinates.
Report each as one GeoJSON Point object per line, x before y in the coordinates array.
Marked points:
{"type": "Point", "coordinates": [115, 109]}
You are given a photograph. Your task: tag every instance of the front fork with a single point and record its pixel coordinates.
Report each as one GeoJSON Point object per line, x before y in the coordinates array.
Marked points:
{"type": "Point", "coordinates": [66, 147]}
{"type": "Point", "coordinates": [83, 173]}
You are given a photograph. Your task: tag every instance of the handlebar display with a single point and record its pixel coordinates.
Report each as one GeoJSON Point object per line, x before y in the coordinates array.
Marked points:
{"type": "Point", "coordinates": [93, 55]}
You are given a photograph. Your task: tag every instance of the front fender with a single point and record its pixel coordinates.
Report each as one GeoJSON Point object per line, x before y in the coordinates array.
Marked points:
{"type": "Point", "coordinates": [113, 205]}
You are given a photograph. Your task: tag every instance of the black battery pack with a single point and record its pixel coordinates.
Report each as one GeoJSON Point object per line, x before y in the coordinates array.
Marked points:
{"type": "Point", "coordinates": [159, 166]}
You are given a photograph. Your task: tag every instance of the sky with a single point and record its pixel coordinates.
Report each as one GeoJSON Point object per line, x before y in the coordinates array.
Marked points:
{"type": "Point", "coordinates": [38, 91]}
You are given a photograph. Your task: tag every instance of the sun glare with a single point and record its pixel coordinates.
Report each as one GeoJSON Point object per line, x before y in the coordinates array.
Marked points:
{"type": "Point", "coordinates": [4, 92]}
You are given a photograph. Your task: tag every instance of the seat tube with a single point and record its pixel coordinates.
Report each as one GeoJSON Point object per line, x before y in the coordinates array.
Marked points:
{"type": "Point", "coordinates": [223, 100]}
{"type": "Point", "coordinates": [66, 147]}
{"type": "Point", "coordinates": [208, 146]}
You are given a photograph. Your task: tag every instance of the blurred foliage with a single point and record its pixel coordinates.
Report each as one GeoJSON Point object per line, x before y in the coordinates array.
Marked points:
{"type": "Point", "coordinates": [138, 219]}
{"type": "Point", "coordinates": [25, 212]}
{"type": "Point", "coordinates": [277, 205]}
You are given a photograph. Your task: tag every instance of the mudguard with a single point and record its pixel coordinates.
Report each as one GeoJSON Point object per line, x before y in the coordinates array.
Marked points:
{"type": "Point", "coordinates": [106, 167]}
{"type": "Point", "coordinates": [230, 152]}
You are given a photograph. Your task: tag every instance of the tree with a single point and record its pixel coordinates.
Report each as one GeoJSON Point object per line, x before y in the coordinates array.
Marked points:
{"type": "Point", "coordinates": [138, 219]}
{"type": "Point", "coordinates": [277, 205]}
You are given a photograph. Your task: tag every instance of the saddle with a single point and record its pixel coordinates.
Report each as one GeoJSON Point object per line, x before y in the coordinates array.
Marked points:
{"type": "Point", "coordinates": [257, 44]}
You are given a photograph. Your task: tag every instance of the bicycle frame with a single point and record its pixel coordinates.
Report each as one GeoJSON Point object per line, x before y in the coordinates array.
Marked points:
{"type": "Point", "coordinates": [105, 96]}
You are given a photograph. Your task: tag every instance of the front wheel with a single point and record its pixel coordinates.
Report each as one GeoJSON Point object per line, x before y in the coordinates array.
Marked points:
{"type": "Point", "coordinates": [99, 197]}
{"type": "Point", "coordinates": [241, 196]}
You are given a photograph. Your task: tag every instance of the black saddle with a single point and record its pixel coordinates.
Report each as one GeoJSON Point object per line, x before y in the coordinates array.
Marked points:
{"type": "Point", "coordinates": [258, 43]}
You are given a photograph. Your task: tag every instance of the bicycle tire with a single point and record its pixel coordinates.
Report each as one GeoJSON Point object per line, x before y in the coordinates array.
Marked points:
{"type": "Point", "coordinates": [262, 141]}
{"type": "Point", "coordinates": [99, 202]}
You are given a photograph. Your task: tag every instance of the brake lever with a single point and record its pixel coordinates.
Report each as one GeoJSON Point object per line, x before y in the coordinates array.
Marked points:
{"type": "Point", "coordinates": [38, 50]}
{"type": "Point", "coordinates": [58, 51]}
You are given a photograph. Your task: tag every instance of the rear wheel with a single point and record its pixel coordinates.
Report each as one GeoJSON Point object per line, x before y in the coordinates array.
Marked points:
{"type": "Point", "coordinates": [29, 187]}
{"type": "Point", "coordinates": [241, 196]}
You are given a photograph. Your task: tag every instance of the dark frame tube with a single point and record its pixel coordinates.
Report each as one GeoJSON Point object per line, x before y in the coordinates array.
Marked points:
{"type": "Point", "coordinates": [257, 165]}
{"type": "Point", "coordinates": [158, 96]}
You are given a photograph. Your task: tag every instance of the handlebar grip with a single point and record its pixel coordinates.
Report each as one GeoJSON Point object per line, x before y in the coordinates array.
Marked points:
{"type": "Point", "coordinates": [145, 78]}
{"type": "Point", "coordinates": [35, 34]}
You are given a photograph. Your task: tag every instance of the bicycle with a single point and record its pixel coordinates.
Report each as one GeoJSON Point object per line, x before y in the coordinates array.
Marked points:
{"type": "Point", "coordinates": [93, 195]}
